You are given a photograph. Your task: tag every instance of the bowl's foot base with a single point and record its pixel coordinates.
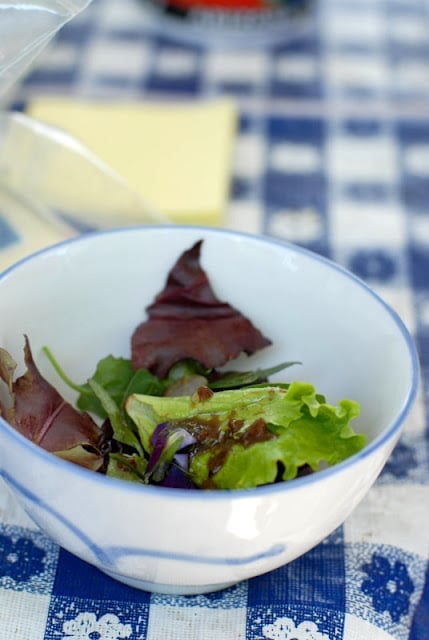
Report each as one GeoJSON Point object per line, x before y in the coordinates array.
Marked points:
{"type": "Point", "coordinates": [169, 589]}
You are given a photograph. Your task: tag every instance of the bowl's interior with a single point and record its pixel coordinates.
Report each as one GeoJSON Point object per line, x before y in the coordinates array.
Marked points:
{"type": "Point", "coordinates": [84, 298]}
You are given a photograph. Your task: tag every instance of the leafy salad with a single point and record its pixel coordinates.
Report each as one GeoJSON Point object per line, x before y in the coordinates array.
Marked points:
{"type": "Point", "coordinates": [171, 415]}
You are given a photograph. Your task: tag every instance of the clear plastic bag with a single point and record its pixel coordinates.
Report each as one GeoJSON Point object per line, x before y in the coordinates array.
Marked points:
{"type": "Point", "coordinates": [26, 27]}
{"type": "Point", "coordinates": [37, 161]}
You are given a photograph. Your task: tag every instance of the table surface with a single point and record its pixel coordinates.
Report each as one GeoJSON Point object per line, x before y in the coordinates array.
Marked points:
{"type": "Point", "coordinates": [332, 154]}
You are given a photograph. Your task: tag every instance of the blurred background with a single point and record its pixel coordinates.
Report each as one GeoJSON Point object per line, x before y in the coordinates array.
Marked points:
{"type": "Point", "coordinates": [324, 107]}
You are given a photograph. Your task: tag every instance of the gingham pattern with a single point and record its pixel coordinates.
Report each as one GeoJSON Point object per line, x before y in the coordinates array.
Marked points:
{"type": "Point", "coordinates": [332, 153]}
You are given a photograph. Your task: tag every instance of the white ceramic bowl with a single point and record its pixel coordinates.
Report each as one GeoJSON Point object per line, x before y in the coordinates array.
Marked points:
{"type": "Point", "coordinates": [84, 297]}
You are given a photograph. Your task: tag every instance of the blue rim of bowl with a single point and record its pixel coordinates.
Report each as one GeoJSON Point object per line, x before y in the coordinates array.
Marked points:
{"type": "Point", "coordinates": [228, 494]}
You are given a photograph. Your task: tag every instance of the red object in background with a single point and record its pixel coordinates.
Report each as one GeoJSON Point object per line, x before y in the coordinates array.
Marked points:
{"type": "Point", "coordinates": [224, 5]}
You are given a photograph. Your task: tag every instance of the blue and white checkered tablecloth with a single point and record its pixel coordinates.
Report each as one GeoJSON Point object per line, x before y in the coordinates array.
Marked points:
{"type": "Point", "coordinates": [332, 153]}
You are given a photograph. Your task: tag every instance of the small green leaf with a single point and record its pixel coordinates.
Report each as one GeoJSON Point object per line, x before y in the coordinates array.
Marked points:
{"type": "Point", "coordinates": [121, 430]}
{"type": "Point", "coordinates": [186, 367]}
{"type": "Point", "coordinates": [238, 379]}
{"type": "Point", "coordinates": [131, 468]}
{"type": "Point", "coordinates": [143, 381]}
{"type": "Point", "coordinates": [114, 375]}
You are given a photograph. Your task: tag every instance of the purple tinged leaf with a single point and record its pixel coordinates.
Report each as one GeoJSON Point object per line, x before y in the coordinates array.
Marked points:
{"type": "Point", "coordinates": [176, 478]}
{"type": "Point", "coordinates": [168, 440]}
{"type": "Point", "coordinates": [159, 442]}
{"type": "Point", "coordinates": [40, 413]}
{"type": "Point", "coordinates": [187, 320]}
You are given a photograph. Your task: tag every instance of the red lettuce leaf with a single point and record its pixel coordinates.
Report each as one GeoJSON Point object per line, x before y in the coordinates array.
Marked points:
{"type": "Point", "coordinates": [39, 412]}
{"type": "Point", "coordinates": [186, 320]}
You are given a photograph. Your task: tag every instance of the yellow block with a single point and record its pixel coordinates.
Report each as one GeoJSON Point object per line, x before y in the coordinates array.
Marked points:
{"type": "Point", "coordinates": [176, 155]}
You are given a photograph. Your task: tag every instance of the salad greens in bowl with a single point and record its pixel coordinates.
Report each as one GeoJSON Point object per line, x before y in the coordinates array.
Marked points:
{"type": "Point", "coordinates": [188, 407]}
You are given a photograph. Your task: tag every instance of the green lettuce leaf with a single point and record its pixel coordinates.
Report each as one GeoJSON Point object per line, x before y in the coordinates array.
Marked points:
{"type": "Point", "coordinates": [295, 427]}
{"type": "Point", "coordinates": [323, 438]}
{"type": "Point", "coordinates": [246, 405]}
